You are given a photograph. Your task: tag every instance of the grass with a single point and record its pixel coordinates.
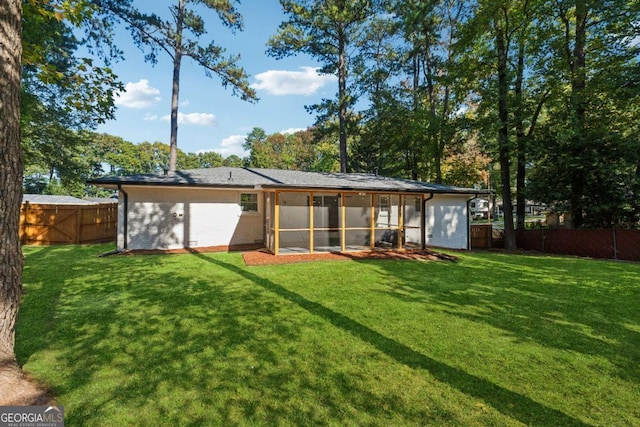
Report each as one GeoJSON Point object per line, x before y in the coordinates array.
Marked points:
{"type": "Point", "coordinates": [204, 340]}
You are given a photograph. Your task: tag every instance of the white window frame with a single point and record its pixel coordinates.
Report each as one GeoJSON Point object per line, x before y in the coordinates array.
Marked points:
{"type": "Point", "coordinates": [242, 204]}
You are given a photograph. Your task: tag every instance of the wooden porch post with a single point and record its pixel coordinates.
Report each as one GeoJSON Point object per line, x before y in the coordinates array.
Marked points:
{"type": "Point", "coordinates": [400, 220]}
{"type": "Point", "coordinates": [311, 225]}
{"type": "Point", "coordinates": [276, 224]}
{"type": "Point", "coordinates": [343, 224]}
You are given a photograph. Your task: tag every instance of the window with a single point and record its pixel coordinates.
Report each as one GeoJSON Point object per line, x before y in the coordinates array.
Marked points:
{"type": "Point", "coordinates": [383, 204]}
{"type": "Point", "coordinates": [249, 202]}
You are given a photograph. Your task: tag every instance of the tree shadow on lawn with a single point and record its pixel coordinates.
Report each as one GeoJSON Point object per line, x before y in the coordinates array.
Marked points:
{"type": "Point", "coordinates": [132, 342]}
{"type": "Point", "coordinates": [510, 403]}
{"type": "Point", "coordinates": [577, 305]}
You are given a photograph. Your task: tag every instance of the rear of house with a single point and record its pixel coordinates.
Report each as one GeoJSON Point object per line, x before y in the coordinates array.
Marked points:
{"type": "Point", "coordinates": [287, 211]}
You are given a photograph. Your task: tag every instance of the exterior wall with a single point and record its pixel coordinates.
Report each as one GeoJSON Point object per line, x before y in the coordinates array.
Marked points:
{"type": "Point", "coordinates": [120, 241]}
{"type": "Point", "coordinates": [412, 219]}
{"type": "Point", "coordinates": [172, 218]}
{"type": "Point", "coordinates": [447, 223]}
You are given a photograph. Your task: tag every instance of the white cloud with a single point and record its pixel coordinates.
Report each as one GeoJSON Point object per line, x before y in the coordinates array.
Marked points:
{"type": "Point", "coordinates": [150, 117]}
{"type": "Point", "coordinates": [138, 95]}
{"type": "Point", "coordinates": [232, 145]}
{"type": "Point", "coordinates": [305, 82]}
{"type": "Point", "coordinates": [198, 119]}
{"type": "Point", "coordinates": [291, 131]}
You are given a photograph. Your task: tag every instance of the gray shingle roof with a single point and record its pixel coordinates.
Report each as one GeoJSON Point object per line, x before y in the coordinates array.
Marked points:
{"type": "Point", "coordinates": [44, 199]}
{"type": "Point", "coordinates": [277, 178]}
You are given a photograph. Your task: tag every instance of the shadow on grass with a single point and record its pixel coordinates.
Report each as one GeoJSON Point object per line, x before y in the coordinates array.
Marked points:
{"type": "Point", "coordinates": [38, 304]}
{"type": "Point", "coordinates": [158, 355]}
{"type": "Point", "coordinates": [141, 340]}
{"type": "Point", "coordinates": [570, 304]}
{"type": "Point", "coordinates": [144, 341]}
{"type": "Point", "coordinates": [508, 402]}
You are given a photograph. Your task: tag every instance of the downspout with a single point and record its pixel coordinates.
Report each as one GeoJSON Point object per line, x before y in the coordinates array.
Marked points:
{"type": "Point", "coordinates": [125, 204]}
{"type": "Point", "coordinates": [469, 220]}
{"type": "Point", "coordinates": [424, 221]}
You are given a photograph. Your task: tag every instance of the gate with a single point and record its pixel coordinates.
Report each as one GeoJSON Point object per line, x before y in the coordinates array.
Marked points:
{"type": "Point", "coordinates": [47, 224]}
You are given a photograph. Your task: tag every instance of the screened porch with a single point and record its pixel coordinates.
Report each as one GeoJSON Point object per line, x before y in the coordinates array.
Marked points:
{"type": "Point", "coordinates": [323, 221]}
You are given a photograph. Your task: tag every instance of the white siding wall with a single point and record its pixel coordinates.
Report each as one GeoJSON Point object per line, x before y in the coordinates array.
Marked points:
{"type": "Point", "coordinates": [447, 224]}
{"type": "Point", "coordinates": [121, 230]}
{"type": "Point", "coordinates": [170, 218]}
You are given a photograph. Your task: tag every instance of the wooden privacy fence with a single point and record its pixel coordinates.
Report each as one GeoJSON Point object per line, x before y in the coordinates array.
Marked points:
{"type": "Point", "coordinates": [45, 224]}
{"type": "Point", "coordinates": [607, 244]}
{"type": "Point", "coordinates": [481, 236]}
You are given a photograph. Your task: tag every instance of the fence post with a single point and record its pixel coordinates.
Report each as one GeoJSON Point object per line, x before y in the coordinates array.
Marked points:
{"type": "Point", "coordinates": [542, 238]}
{"type": "Point", "coordinates": [23, 224]}
{"type": "Point", "coordinates": [78, 224]}
{"type": "Point", "coordinates": [490, 236]}
{"type": "Point", "coordinates": [615, 244]}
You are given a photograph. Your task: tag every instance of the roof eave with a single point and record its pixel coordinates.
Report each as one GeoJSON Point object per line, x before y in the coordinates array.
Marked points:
{"type": "Point", "coordinates": [116, 183]}
{"type": "Point", "coordinates": [461, 191]}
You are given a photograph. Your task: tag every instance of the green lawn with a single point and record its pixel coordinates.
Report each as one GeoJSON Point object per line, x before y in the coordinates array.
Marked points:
{"type": "Point", "coordinates": [195, 339]}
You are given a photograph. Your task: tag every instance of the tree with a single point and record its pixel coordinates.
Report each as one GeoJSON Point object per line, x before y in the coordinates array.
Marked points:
{"type": "Point", "coordinates": [502, 40]}
{"type": "Point", "coordinates": [63, 93]}
{"type": "Point", "coordinates": [502, 33]}
{"type": "Point", "coordinates": [171, 36]}
{"type": "Point", "coordinates": [253, 143]}
{"type": "Point", "coordinates": [210, 159]}
{"type": "Point", "coordinates": [10, 174]}
{"type": "Point", "coordinates": [592, 39]}
{"type": "Point", "coordinates": [378, 63]}
{"type": "Point", "coordinates": [295, 151]}
{"type": "Point", "coordinates": [585, 158]}
{"type": "Point", "coordinates": [325, 30]}
{"type": "Point", "coordinates": [233, 161]}
{"type": "Point", "coordinates": [430, 31]}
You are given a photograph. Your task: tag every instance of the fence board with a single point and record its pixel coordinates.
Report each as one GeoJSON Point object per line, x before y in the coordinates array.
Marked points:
{"type": "Point", "coordinates": [606, 244]}
{"type": "Point", "coordinates": [42, 224]}
{"type": "Point", "coordinates": [628, 245]}
{"type": "Point", "coordinates": [481, 236]}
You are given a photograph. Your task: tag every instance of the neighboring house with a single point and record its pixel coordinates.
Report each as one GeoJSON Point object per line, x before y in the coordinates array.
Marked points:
{"type": "Point", "coordinates": [287, 211]}
{"type": "Point", "coordinates": [479, 208]}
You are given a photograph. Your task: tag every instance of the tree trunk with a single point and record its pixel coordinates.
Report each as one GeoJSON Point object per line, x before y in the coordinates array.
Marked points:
{"type": "Point", "coordinates": [521, 202]}
{"type": "Point", "coordinates": [443, 134]}
{"type": "Point", "coordinates": [416, 138]}
{"type": "Point", "coordinates": [636, 193]}
{"type": "Point", "coordinates": [578, 101]}
{"type": "Point", "coordinates": [342, 99]}
{"type": "Point", "coordinates": [10, 175]}
{"type": "Point", "coordinates": [503, 135]}
{"type": "Point", "coordinates": [177, 59]}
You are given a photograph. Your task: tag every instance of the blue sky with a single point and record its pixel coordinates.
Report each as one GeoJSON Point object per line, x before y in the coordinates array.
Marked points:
{"type": "Point", "coordinates": [211, 117]}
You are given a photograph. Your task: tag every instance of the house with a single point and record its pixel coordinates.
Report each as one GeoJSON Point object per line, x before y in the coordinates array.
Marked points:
{"type": "Point", "coordinates": [480, 208]}
{"type": "Point", "coordinates": [287, 211]}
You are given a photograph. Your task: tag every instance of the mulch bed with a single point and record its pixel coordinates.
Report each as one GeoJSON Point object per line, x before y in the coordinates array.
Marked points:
{"type": "Point", "coordinates": [253, 256]}
{"type": "Point", "coordinates": [264, 257]}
